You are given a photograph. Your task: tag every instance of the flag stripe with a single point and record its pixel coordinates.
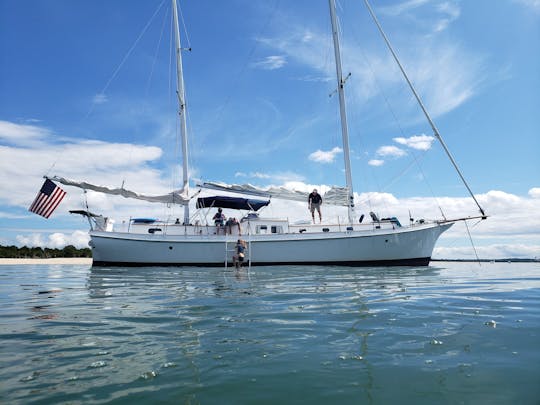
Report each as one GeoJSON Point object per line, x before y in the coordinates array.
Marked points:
{"type": "Point", "coordinates": [47, 204]}
{"type": "Point", "coordinates": [48, 198]}
{"type": "Point", "coordinates": [36, 202]}
{"type": "Point", "coordinates": [58, 196]}
{"type": "Point", "coordinates": [39, 201]}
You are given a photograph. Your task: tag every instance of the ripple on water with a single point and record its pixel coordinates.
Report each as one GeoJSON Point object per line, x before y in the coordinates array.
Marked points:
{"type": "Point", "coordinates": [320, 334]}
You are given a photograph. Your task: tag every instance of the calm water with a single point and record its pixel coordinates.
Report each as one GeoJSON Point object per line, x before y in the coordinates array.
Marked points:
{"type": "Point", "coordinates": [450, 333]}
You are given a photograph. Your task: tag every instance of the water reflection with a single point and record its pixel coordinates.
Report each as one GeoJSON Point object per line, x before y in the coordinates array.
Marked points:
{"type": "Point", "coordinates": [319, 318]}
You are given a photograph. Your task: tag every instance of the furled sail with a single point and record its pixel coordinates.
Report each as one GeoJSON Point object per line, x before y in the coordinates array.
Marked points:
{"type": "Point", "coordinates": [236, 203]}
{"type": "Point", "coordinates": [334, 196]}
{"type": "Point", "coordinates": [175, 197]}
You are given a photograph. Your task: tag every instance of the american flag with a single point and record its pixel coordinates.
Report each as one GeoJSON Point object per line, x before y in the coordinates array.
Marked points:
{"type": "Point", "coordinates": [47, 199]}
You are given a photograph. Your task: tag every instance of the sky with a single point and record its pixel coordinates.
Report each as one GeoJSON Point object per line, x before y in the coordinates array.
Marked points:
{"type": "Point", "coordinates": [87, 92]}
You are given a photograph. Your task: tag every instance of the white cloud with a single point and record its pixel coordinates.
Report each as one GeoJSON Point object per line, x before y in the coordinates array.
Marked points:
{"type": "Point", "coordinates": [279, 177]}
{"type": "Point", "coordinates": [403, 7]}
{"type": "Point", "coordinates": [418, 142]}
{"type": "Point", "coordinates": [321, 156]}
{"type": "Point", "coordinates": [450, 13]}
{"type": "Point", "coordinates": [392, 151]}
{"type": "Point", "coordinates": [56, 240]}
{"type": "Point", "coordinates": [534, 192]}
{"type": "Point", "coordinates": [22, 134]}
{"type": "Point", "coordinates": [534, 5]}
{"type": "Point", "coordinates": [445, 73]}
{"type": "Point", "coordinates": [258, 175]}
{"type": "Point", "coordinates": [308, 36]}
{"type": "Point", "coordinates": [376, 162]}
{"type": "Point", "coordinates": [271, 62]}
{"type": "Point", "coordinates": [97, 162]}
{"type": "Point", "coordinates": [9, 215]}
{"type": "Point", "coordinates": [100, 98]}
{"type": "Point", "coordinates": [495, 251]}
{"type": "Point", "coordinates": [443, 12]}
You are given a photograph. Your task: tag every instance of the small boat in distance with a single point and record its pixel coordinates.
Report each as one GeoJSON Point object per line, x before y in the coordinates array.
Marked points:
{"type": "Point", "coordinates": [196, 241]}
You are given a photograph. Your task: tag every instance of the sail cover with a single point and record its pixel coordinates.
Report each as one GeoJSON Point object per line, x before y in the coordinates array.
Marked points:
{"type": "Point", "coordinates": [175, 197]}
{"type": "Point", "coordinates": [334, 196]}
{"type": "Point", "coordinates": [231, 202]}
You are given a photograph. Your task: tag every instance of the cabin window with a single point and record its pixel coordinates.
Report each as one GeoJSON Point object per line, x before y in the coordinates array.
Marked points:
{"type": "Point", "coordinates": [271, 228]}
{"type": "Point", "coordinates": [276, 229]}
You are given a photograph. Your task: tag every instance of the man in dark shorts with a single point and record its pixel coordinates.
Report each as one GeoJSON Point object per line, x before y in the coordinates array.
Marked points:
{"type": "Point", "coordinates": [314, 203]}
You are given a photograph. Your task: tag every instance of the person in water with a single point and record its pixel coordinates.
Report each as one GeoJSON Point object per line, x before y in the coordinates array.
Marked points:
{"type": "Point", "coordinates": [314, 203]}
{"type": "Point", "coordinates": [239, 253]}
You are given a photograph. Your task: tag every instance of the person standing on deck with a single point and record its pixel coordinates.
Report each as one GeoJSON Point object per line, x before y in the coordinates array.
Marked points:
{"type": "Point", "coordinates": [314, 203]}
{"type": "Point", "coordinates": [219, 219]}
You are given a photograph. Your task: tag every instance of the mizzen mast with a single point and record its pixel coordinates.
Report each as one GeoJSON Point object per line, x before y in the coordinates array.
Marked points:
{"type": "Point", "coordinates": [342, 112]}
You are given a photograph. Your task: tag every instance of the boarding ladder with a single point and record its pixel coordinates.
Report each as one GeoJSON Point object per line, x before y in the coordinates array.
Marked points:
{"type": "Point", "coordinates": [230, 240]}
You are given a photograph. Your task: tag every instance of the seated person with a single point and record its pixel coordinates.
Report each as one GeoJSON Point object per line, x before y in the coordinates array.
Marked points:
{"type": "Point", "coordinates": [232, 222]}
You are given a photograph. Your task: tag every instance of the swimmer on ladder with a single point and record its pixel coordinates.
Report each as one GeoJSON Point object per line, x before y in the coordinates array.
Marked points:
{"type": "Point", "coordinates": [239, 253]}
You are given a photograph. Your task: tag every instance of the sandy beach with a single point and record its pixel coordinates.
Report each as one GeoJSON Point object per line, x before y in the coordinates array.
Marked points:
{"type": "Point", "coordinates": [56, 260]}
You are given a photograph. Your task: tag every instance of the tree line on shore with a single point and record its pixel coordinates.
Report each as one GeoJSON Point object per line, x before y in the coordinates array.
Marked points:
{"type": "Point", "coordinates": [14, 252]}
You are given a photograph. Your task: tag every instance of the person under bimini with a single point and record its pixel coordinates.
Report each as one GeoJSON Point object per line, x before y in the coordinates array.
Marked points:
{"type": "Point", "coordinates": [314, 203]}
{"type": "Point", "coordinates": [231, 222]}
{"type": "Point", "coordinates": [219, 219]}
{"type": "Point", "coordinates": [240, 251]}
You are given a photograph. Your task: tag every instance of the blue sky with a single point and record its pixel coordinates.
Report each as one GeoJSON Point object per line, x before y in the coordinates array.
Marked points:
{"type": "Point", "coordinates": [86, 93]}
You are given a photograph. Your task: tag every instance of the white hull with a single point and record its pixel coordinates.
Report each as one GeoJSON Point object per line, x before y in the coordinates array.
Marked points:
{"type": "Point", "coordinates": [401, 246]}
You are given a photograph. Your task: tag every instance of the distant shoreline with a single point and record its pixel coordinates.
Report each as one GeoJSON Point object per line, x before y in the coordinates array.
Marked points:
{"type": "Point", "coordinates": [54, 260]}
{"type": "Point", "coordinates": [509, 260]}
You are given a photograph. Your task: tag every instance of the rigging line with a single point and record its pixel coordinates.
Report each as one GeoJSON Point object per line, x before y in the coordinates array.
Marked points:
{"type": "Point", "coordinates": [126, 57]}
{"type": "Point", "coordinates": [117, 70]}
{"type": "Point", "coordinates": [398, 123]}
{"type": "Point", "coordinates": [148, 83]}
{"type": "Point", "coordinates": [147, 91]}
{"type": "Point", "coordinates": [184, 25]}
{"type": "Point", "coordinates": [428, 183]}
{"type": "Point", "coordinates": [476, 223]}
{"type": "Point", "coordinates": [387, 102]}
{"type": "Point", "coordinates": [472, 243]}
{"type": "Point", "coordinates": [428, 117]}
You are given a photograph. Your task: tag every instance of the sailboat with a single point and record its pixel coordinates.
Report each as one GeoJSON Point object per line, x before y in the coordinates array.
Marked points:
{"type": "Point", "coordinates": [269, 241]}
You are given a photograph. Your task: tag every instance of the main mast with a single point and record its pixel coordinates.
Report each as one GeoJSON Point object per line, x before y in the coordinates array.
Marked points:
{"type": "Point", "coordinates": [181, 109]}
{"type": "Point", "coordinates": [343, 114]}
